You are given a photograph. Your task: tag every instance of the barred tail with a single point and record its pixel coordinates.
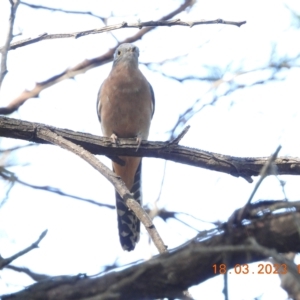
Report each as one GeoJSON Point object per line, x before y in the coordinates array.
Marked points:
{"type": "Point", "coordinates": [128, 223]}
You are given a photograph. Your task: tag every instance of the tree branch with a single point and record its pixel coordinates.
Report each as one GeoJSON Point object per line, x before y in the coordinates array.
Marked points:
{"type": "Point", "coordinates": [35, 276]}
{"type": "Point", "coordinates": [4, 50]}
{"type": "Point", "coordinates": [5, 261]}
{"type": "Point", "coordinates": [244, 167]}
{"type": "Point", "coordinates": [139, 25]}
{"type": "Point", "coordinates": [10, 176]}
{"type": "Point", "coordinates": [168, 274]}
{"type": "Point", "coordinates": [62, 10]}
{"type": "Point", "coordinates": [48, 135]}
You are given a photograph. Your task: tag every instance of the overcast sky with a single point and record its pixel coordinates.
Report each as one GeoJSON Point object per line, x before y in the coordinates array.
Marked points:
{"type": "Point", "coordinates": [253, 121]}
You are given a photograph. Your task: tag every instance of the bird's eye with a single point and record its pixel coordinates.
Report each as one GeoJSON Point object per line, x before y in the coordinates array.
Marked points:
{"type": "Point", "coordinates": [133, 49]}
{"type": "Point", "coordinates": [119, 52]}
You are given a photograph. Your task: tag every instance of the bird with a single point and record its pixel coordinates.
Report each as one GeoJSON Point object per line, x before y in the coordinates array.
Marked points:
{"type": "Point", "coordinates": [125, 107]}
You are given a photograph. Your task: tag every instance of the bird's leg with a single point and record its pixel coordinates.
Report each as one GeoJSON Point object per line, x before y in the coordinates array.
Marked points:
{"type": "Point", "coordinates": [116, 159]}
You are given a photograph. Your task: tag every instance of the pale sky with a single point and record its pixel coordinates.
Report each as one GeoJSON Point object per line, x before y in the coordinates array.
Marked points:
{"type": "Point", "coordinates": [253, 121]}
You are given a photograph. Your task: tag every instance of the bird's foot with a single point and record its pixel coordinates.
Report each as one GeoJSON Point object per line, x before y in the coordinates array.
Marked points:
{"type": "Point", "coordinates": [139, 141]}
{"type": "Point", "coordinates": [114, 138]}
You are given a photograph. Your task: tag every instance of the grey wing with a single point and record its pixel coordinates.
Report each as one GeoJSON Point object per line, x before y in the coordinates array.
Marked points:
{"type": "Point", "coordinates": [98, 104]}
{"type": "Point", "coordinates": [152, 98]}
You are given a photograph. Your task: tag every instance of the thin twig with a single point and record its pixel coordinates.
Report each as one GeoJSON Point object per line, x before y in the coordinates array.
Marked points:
{"type": "Point", "coordinates": [109, 28]}
{"type": "Point", "coordinates": [265, 171]}
{"type": "Point", "coordinates": [35, 276]}
{"type": "Point", "coordinates": [218, 81]}
{"type": "Point", "coordinates": [180, 136]}
{"type": "Point", "coordinates": [62, 10]}
{"type": "Point", "coordinates": [4, 50]}
{"type": "Point", "coordinates": [5, 261]}
{"type": "Point", "coordinates": [10, 176]}
{"type": "Point", "coordinates": [16, 148]}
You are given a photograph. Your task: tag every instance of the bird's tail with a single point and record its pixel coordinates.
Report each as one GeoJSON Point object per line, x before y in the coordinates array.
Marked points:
{"type": "Point", "coordinates": [128, 223]}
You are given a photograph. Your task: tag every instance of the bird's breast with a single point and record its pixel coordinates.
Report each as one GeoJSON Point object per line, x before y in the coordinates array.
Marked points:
{"type": "Point", "coordinates": [126, 104]}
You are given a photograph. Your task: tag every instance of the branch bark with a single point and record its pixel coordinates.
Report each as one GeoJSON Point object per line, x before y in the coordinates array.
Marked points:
{"type": "Point", "coordinates": [244, 167]}
{"type": "Point", "coordinates": [192, 263]}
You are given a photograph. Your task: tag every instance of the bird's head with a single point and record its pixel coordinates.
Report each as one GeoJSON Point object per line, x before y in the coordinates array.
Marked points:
{"type": "Point", "coordinates": [127, 53]}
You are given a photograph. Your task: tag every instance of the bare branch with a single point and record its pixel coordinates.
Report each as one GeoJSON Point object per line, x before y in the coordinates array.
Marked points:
{"type": "Point", "coordinates": [4, 50]}
{"type": "Point", "coordinates": [35, 276]}
{"type": "Point", "coordinates": [119, 185]}
{"type": "Point", "coordinates": [218, 81]}
{"type": "Point", "coordinates": [83, 66]}
{"type": "Point", "coordinates": [62, 10]}
{"type": "Point", "coordinates": [180, 136]}
{"type": "Point", "coordinates": [244, 167]}
{"type": "Point", "coordinates": [265, 171]}
{"type": "Point", "coordinates": [139, 25]}
{"type": "Point", "coordinates": [5, 261]}
{"type": "Point", "coordinates": [16, 148]}
{"type": "Point", "coordinates": [7, 175]}
{"type": "Point", "coordinates": [168, 274]}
